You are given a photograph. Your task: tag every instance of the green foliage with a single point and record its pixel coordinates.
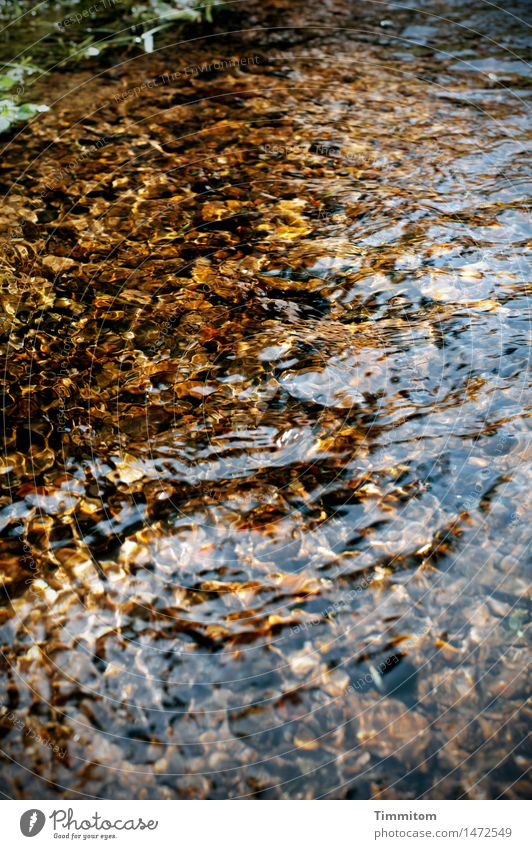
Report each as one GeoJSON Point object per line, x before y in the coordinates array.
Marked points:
{"type": "Point", "coordinates": [11, 113]}
{"type": "Point", "coordinates": [66, 32]}
{"type": "Point", "coordinates": [12, 86]}
{"type": "Point", "coordinates": [167, 13]}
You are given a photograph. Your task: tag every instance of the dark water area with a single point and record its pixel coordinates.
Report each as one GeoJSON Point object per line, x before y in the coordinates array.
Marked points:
{"type": "Point", "coordinates": [265, 335]}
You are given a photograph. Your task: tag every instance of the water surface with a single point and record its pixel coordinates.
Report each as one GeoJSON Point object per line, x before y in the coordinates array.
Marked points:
{"type": "Point", "coordinates": [265, 496]}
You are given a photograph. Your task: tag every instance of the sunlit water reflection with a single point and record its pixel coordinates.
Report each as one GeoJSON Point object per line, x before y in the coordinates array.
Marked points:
{"type": "Point", "coordinates": [266, 443]}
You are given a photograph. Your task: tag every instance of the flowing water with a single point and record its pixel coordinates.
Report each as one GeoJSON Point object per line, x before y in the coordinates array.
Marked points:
{"type": "Point", "coordinates": [265, 344]}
